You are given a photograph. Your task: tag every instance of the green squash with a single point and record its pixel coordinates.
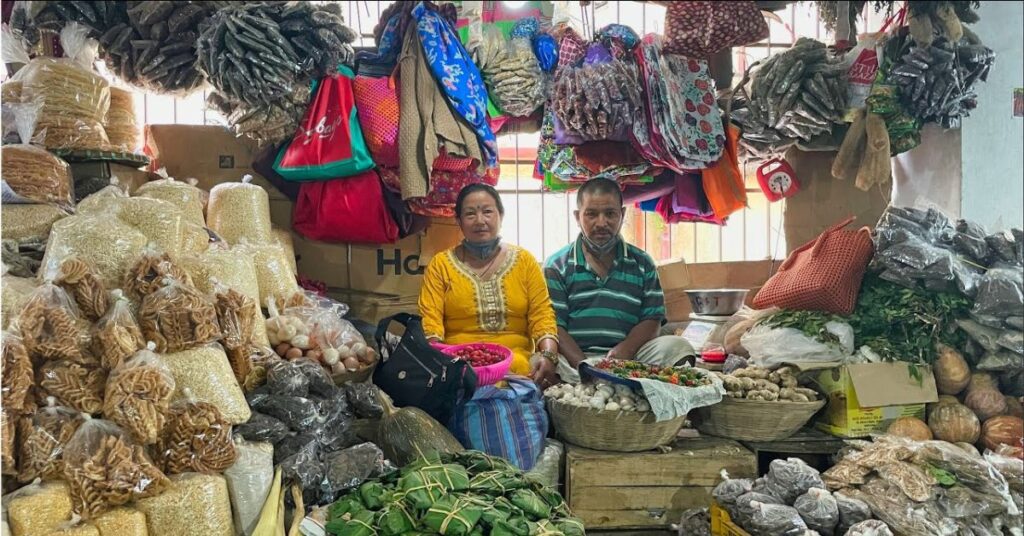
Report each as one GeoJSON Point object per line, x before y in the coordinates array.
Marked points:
{"type": "Point", "coordinates": [408, 434]}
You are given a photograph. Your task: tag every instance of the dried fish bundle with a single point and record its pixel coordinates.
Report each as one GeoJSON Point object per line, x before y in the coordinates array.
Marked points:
{"type": "Point", "coordinates": [797, 95]}
{"type": "Point", "coordinates": [268, 123]}
{"type": "Point", "coordinates": [598, 102]}
{"type": "Point", "coordinates": [318, 34]}
{"type": "Point", "coordinates": [936, 83]}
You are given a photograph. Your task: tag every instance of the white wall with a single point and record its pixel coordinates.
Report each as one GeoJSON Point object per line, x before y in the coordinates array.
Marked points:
{"type": "Point", "coordinates": [992, 188]}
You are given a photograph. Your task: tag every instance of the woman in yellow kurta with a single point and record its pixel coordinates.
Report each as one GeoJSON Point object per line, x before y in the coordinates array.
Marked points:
{"type": "Point", "coordinates": [485, 291]}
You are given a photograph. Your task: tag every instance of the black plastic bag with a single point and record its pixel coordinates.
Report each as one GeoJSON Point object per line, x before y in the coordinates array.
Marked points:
{"type": "Point", "coordinates": [303, 467]}
{"type": "Point", "coordinates": [364, 400]}
{"type": "Point", "coordinates": [262, 428]}
{"type": "Point", "coordinates": [286, 378]}
{"type": "Point", "coordinates": [819, 510]}
{"type": "Point", "coordinates": [296, 412]}
{"type": "Point", "coordinates": [348, 468]}
{"type": "Point", "coordinates": [791, 478]}
{"type": "Point", "coordinates": [851, 512]}
{"type": "Point", "coordinates": [320, 382]}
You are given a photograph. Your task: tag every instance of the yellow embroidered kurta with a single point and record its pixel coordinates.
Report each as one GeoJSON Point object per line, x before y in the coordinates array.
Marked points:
{"type": "Point", "coordinates": [511, 308]}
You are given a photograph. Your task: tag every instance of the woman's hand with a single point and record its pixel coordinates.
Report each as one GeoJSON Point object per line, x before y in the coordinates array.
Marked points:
{"type": "Point", "coordinates": [543, 372]}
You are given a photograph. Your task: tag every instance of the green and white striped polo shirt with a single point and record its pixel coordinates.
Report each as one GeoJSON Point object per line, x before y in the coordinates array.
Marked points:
{"type": "Point", "coordinates": [599, 313]}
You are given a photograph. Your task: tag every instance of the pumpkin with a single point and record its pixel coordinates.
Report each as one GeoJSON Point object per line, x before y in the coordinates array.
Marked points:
{"type": "Point", "coordinates": [407, 434]}
{"type": "Point", "coordinates": [969, 448]}
{"type": "Point", "coordinates": [982, 380]}
{"type": "Point", "coordinates": [951, 371]}
{"type": "Point", "coordinates": [986, 403]}
{"type": "Point", "coordinates": [910, 428]}
{"type": "Point", "coordinates": [1003, 430]}
{"type": "Point", "coordinates": [955, 423]}
{"type": "Point", "coordinates": [1014, 408]}
{"type": "Point", "coordinates": [943, 399]}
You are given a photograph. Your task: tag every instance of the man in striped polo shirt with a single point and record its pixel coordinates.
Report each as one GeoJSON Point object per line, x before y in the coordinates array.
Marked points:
{"type": "Point", "coordinates": [605, 292]}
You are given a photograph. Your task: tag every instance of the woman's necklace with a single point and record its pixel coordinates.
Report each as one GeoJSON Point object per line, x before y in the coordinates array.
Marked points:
{"type": "Point", "coordinates": [482, 274]}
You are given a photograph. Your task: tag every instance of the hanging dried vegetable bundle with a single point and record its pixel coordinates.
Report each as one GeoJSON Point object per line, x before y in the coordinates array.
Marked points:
{"type": "Point", "coordinates": [793, 96]}
{"type": "Point", "coordinates": [513, 76]}
{"type": "Point", "coordinates": [266, 123]}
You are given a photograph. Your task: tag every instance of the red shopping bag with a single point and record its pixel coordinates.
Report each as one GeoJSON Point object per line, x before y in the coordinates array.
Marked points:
{"type": "Point", "coordinates": [351, 210]}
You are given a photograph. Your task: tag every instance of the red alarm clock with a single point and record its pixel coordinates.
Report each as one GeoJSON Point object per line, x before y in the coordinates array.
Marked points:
{"type": "Point", "coordinates": [777, 179]}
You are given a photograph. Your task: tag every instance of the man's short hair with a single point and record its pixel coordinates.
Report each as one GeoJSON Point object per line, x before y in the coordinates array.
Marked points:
{"type": "Point", "coordinates": [599, 186]}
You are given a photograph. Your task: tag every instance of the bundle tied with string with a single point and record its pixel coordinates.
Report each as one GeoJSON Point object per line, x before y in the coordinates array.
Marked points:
{"type": "Point", "coordinates": [121, 126]}
{"type": "Point", "coordinates": [71, 99]}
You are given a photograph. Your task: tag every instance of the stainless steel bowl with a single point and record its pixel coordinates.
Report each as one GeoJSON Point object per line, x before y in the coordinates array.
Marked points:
{"type": "Point", "coordinates": [716, 301]}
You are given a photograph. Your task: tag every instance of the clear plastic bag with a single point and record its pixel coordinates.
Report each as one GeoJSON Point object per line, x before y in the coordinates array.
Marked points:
{"type": "Point", "coordinates": [286, 378]}
{"type": "Point", "coordinates": [233, 268]}
{"type": "Point", "coordinates": [16, 291]}
{"type": "Point", "coordinates": [851, 512]}
{"type": "Point", "coordinates": [121, 126]}
{"type": "Point", "coordinates": [790, 478]}
{"type": "Point", "coordinates": [819, 510]}
{"type": "Point", "coordinates": [240, 210]}
{"type": "Point", "coordinates": [284, 238]}
{"type": "Point", "coordinates": [73, 100]}
{"type": "Point", "coordinates": [38, 509]}
{"type": "Point", "coordinates": [869, 527]}
{"type": "Point", "coordinates": [548, 469]}
{"type": "Point", "coordinates": [1012, 341]}
{"type": "Point", "coordinates": [17, 372]}
{"type": "Point", "coordinates": [262, 428]}
{"type": "Point", "coordinates": [8, 449]}
{"type": "Point", "coordinates": [205, 372]}
{"type": "Point", "coordinates": [240, 321]}
{"type": "Point", "coordinates": [775, 520]}
{"type": "Point", "coordinates": [104, 469]}
{"type": "Point", "coordinates": [177, 317]}
{"type": "Point", "coordinates": [346, 469]}
{"type": "Point", "coordinates": [149, 273]}
{"type": "Point", "coordinates": [116, 336]}
{"type": "Point", "coordinates": [193, 504]}
{"type": "Point", "coordinates": [1001, 361]}
{"type": "Point", "coordinates": [331, 340]}
{"type": "Point", "coordinates": [274, 275]}
{"type": "Point", "coordinates": [138, 396]}
{"type": "Point", "coordinates": [515, 82]}
{"type": "Point", "coordinates": [34, 175]}
{"type": "Point", "coordinates": [29, 223]}
{"type": "Point", "coordinates": [1011, 468]}
{"type": "Point", "coordinates": [106, 243]}
{"type": "Point", "coordinates": [985, 336]}
{"type": "Point", "coordinates": [364, 399]}
{"type": "Point", "coordinates": [83, 284]}
{"type": "Point", "coordinates": [302, 465]}
{"type": "Point", "coordinates": [730, 489]}
{"type": "Point", "coordinates": [186, 197]}
{"type": "Point", "coordinates": [50, 328]}
{"type": "Point", "coordinates": [196, 439]}
{"type": "Point", "coordinates": [74, 385]}
{"type": "Point", "coordinates": [43, 437]}
{"type": "Point", "coordinates": [249, 481]}
{"type": "Point", "coordinates": [1000, 292]}
{"type": "Point", "coordinates": [772, 347]}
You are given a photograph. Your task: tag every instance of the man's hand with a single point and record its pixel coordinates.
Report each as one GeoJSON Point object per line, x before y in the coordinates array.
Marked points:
{"type": "Point", "coordinates": [623, 351]}
{"type": "Point", "coordinates": [543, 372]}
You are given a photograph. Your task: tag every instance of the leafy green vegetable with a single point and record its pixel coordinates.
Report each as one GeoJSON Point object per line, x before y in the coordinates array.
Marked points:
{"type": "Point", "coordinates": [898, 323]}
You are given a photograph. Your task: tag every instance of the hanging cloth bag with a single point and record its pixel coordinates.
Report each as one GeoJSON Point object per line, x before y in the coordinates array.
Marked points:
{"type": "Point", "coordinates": [509, 422]}
{"type": "Point", "coordinates": [350, 210]}
{"type": "Point", "coordinates": [329, 143]}
{"type": "Point", "coordinates": [700, 29]}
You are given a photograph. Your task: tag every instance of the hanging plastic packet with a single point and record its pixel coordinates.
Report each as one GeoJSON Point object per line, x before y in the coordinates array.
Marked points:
{"type": "Point", "coordinates": [116, 336]}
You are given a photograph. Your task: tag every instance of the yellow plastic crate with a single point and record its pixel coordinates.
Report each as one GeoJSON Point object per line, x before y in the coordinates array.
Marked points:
{"type": "Point", "coordinates": [722, 525]}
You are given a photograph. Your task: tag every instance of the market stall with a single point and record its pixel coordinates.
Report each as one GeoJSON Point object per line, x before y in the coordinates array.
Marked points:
{"type": "Point", "coordinates": [178, 356]}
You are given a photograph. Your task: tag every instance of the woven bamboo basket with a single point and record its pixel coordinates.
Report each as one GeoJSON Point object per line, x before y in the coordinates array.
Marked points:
{"type": "Point", "coordinates": [754, 420]}
{"type": "Point", "coordinates": [617, 431]}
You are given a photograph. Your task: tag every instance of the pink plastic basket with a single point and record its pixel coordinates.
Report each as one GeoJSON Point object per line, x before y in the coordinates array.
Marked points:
{"type": "Point", "coordinates": [491, 374]}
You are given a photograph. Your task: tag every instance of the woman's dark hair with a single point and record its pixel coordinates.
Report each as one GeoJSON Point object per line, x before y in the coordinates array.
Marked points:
{"type": "Point", "coordinates": [474, 188]}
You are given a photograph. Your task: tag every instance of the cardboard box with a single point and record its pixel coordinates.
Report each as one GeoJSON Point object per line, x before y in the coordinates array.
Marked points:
{"type": "Point", "coordinates": [677, 277]}
{"type": "Point", "coordinates": [372, 308]}
{"type": "Point", "coordinates": [865, 398]}
{"type": "Point", "coordinates": [128, 177]}
{"type": "Point", "coordinates": [650, 490]}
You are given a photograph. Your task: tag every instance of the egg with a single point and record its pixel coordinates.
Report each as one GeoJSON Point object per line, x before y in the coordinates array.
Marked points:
{"type": "Point", "coordinates": [282, 348]}
{"type": "Point", "coordinates": [315, 354]}
{"type": "Point", "coordinates": [293, 353]}
{"type": "Point", "coordinates": [337, 368]}
{"type": "Point", "coordinates": [351, 363]}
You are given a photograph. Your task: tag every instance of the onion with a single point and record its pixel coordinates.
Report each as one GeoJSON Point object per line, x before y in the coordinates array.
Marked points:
{"type": "Point", "coordinates": [351, 363]}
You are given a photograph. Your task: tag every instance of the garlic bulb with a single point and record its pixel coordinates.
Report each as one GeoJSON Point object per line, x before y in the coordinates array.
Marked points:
{"type": "Point", "coordinates": [611, 406]}
{"type": "Point", "coordinates": [643, 406]}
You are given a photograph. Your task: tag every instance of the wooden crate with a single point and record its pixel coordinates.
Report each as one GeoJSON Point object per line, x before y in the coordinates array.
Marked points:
{"type": "Point", "coordinates": [646, 490]}
{"type": "Point", "coordinates": [812, 446]}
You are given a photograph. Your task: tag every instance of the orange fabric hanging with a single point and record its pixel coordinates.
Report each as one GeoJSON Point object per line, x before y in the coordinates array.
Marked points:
{"type": "Point", "coordinates": [723, 181]}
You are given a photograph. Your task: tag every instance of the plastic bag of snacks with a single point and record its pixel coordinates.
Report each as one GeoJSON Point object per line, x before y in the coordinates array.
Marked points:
{"type": "Point", "coordinates": [49, 325]}
{"type": "Point", "coordinates": [77, 386]}
{"type": "Point", "coordinates": [186, 197]}
{"type": "Point", "coordinates": [72, 99]}
{"type": "Point", "coordinates": [104, 469]}
{"type": "Point", "coordinates": [273, 272]}
{"type": "Point", "coordinates": [284, 237]}
{"type": "Point", "coordinates": [121, 127]}
{"type": "Point", "coordinates": [138, 396]}
{"type": "Point", "coordinates": [121, 521]}
{"type": "Point", "coordinates": [234, 268]}
{"type": "Point", "coordinates": [177, 317]}
{"type": "Point", "coordinates": [104, 198]}
{"type": "Point", "coordinates": [194, 238]}
{"type": "Point", "coordinates": [83, 284]}
{"type": "Point", "coordinates": [147, 274]}
{"type": "Point", "coordinates": [116, 336]}
{"type": "Point", "coordinates": [106, 243]}
{"type": "Point", "coordinates": [38, 509]}
{"type": "Point", "coordinates": [29, 223]}
{"type": "Point", "coordinates": [205, 372]}
{"type": "Point", "coordinates": [193, 504]}
{"type": "Point", "coordinates": [249, 481]}
{"type": "Point", "coordinates": [43, 437]}
{"type": "Point", "coordinates": [37, 176]}
{"type": "Point", "coordinates": [196, 439]}
{"type": "Point", "coordinates": [16, 291]}
{"type": "Point", "coordinates": [17, 372]}
{"type": "Point", "coordinates": [8, 429]}
{"type": "Point", "coordinates": [240, 210]}
{"type": "Point", "coordinates": [241, 323]}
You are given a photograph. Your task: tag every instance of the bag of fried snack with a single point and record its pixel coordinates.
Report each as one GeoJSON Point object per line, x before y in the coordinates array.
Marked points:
{"type": "Point", "coordinates": [79, 387]}
{"type": "Point", "coordinates": [17, 372]}
{"type": "Point", "coordinates": [43, 437]}
{"type": "Point", "coordinates": [178, 317]}
{"type": "Point", "coordinates": [117, 335]}
{"type": "Point", "coordinates": [83, 284]}
{"type": "Point", "coordinates": [146, 276]}
{"type": "Point", "coordinates": [104, 468]}
{"type": "Point", "coordinates": [240, 320]}
{"type": "Point", "coordinates": [138, 395]}
{"type": "Point", "coordinates": [49, 326]}
{"type": "Point", "coordinates": [197, 438]}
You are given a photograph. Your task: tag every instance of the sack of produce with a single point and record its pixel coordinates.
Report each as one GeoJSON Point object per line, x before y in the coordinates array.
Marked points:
{"type": "Point", "coordinates": [791, 478]}
{"type": "Point", "coordinates": [284, 237]}
{"type": "Point", "coordinates": [50, 328]}
{"type": "Point", "coordinates": [186, 197]}
{"type": "Point", "coordinates": [29, 223]}
{"type": "Point", "coordinates": [240, 210]}
{"type": "Point", "coordinates": [548, 469]}
{"type": "Point", "coordinates": [771, 346]}
{"type": "Point", "coordinates": [116, 336]}
{"type": "Point", "coordinates": [192, 504]}
{"type": "Point", "coordinates": [83, 284]}
{"type": "Point", "coordinates": [274, 275]}
{"type": "Point", "coordinates": [138, 396]}
{"type": "Point", "coordinates": [249, 480]}
{"type": "Point", "coordinates": [730, 489]}
{"type": "Point", "coordinates": [77, 386]}
{"type": "Point", "coordinates": [205, 372]}
{"type": "Point", "coordinates": [104, 468]}
{"type": "Point", "coordinates": [43, 437]}
{"type": "Point", "coordinates": [106, 243]}
{"type": "Point", "coordinates": [196, 438]}
{"type": "Point", "coordinates": [34, 175]}
{"type": "Point", "coordinates": [496, 413]}
{"type": "Point", "coordinates": [177, 317]}
{"type": "Point", "coordinates": [17, 372]}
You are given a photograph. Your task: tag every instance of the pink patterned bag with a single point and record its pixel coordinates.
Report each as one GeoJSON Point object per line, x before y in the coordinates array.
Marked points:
{"type": "Point", "coordinates": [699, 29]}
{"type": "Point", "coordinates": [377, 107]}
